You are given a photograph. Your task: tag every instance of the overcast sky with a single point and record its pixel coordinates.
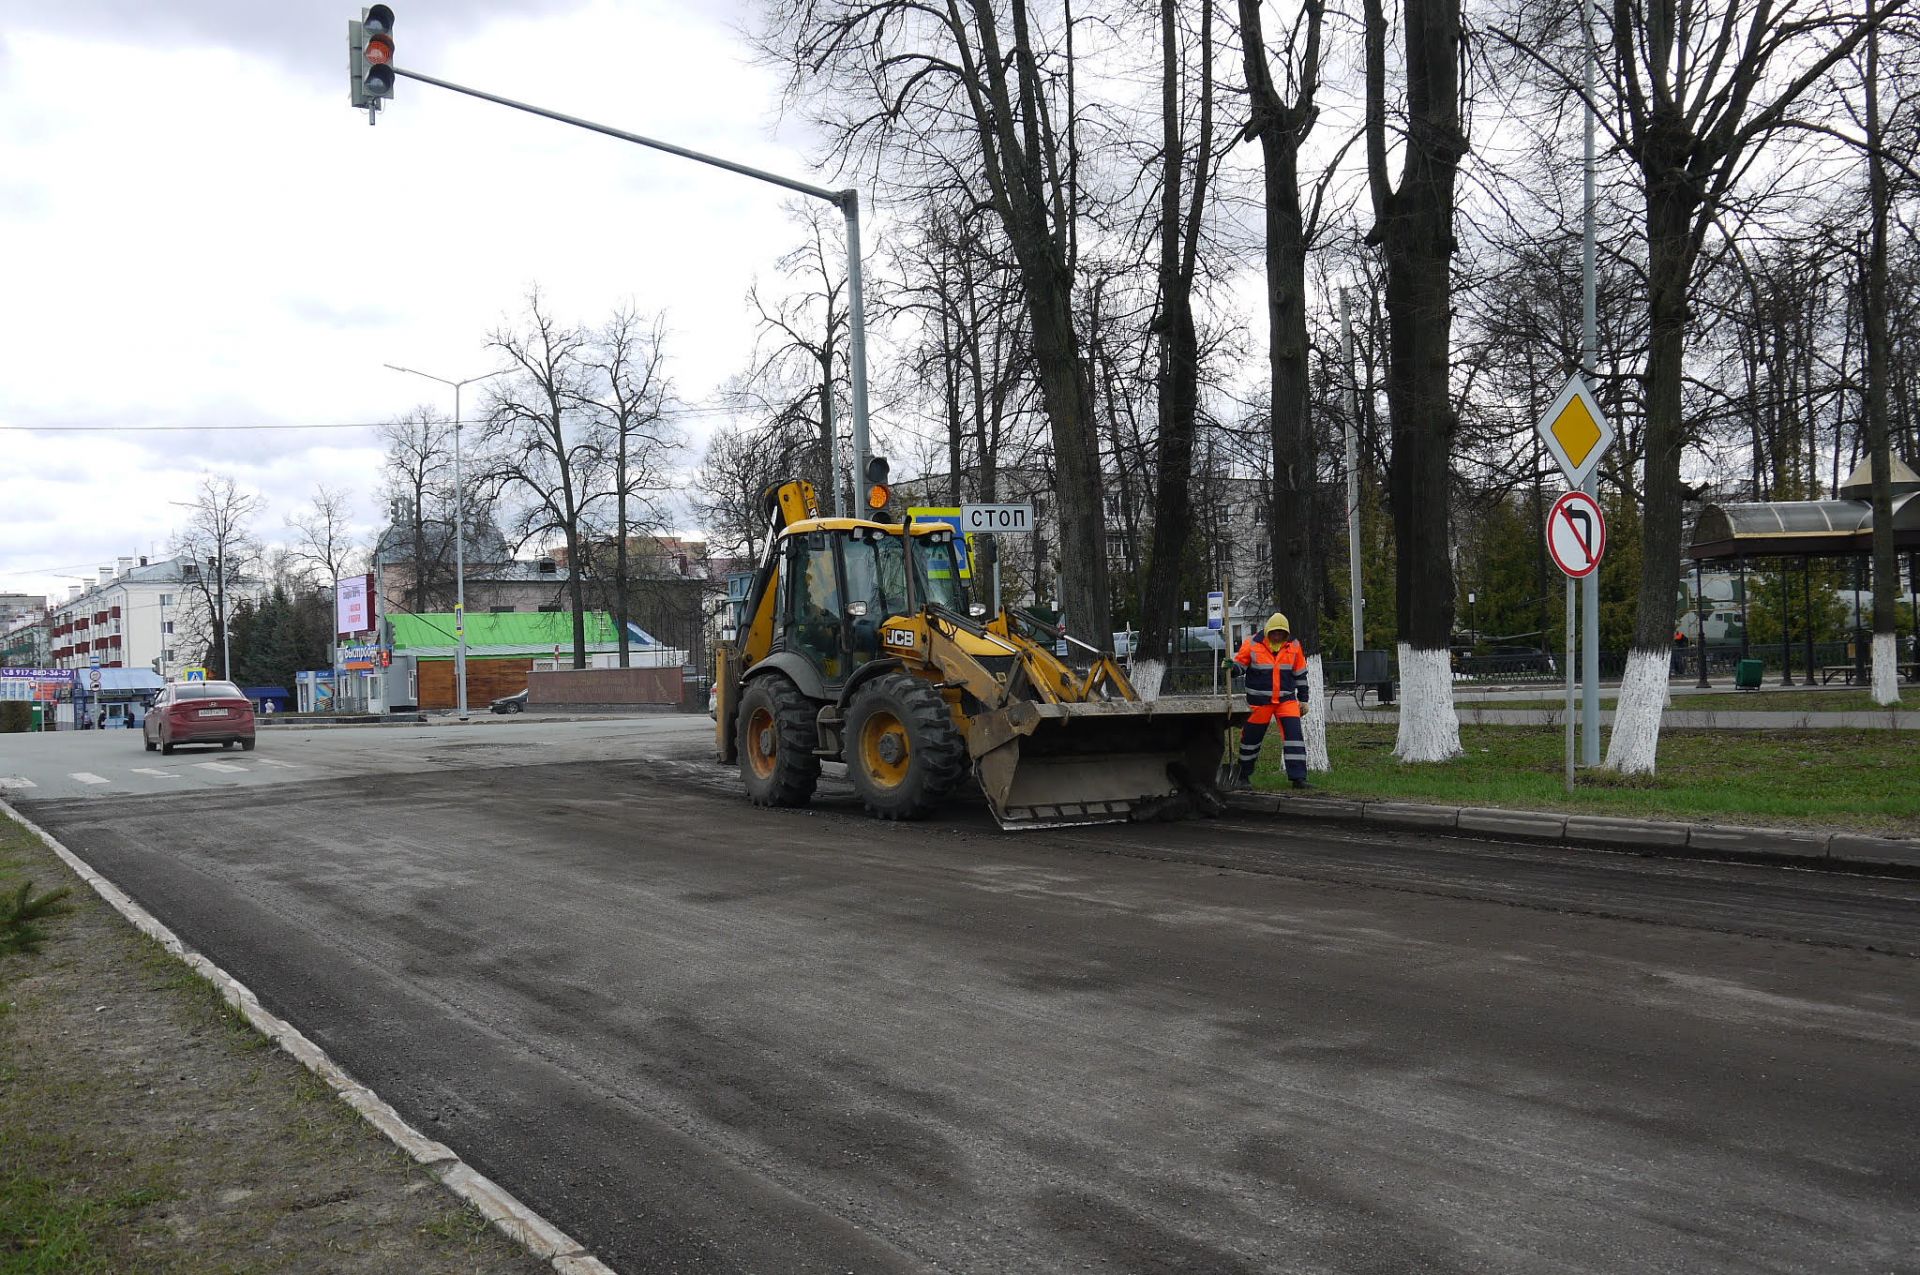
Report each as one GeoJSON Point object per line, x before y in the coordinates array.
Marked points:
{"type": "Point", "coordinates": [196, 229]}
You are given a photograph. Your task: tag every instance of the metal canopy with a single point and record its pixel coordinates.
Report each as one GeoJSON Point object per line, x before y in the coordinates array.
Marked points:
{"type": "Point", "coordinates": [1800, 528]}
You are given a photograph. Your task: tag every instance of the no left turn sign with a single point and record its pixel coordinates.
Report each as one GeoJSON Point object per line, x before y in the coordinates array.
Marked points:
{"type": "Point", "coordinates": [1576, 534]}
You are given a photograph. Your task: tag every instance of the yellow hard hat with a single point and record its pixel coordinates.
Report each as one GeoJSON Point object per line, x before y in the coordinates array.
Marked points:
{"type": "Point", "coordinates": [1277, 621]}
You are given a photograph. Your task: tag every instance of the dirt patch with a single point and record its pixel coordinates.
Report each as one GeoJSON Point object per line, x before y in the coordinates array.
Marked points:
{"type": "Point", "coordinates": [147, 1127]}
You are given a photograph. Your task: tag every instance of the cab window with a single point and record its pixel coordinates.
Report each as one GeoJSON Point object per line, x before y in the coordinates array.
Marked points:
{"type": "Point", "coordinates": [940, 572]}
{"type": "Point", "coordinates": [813, 602]}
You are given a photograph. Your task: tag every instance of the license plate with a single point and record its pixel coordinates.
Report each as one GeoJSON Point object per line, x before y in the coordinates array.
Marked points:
{"type": "Point", "coordinates": [213, 712]}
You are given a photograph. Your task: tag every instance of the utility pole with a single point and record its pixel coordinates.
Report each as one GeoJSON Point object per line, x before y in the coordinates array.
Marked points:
{"type": "Point", "coordinates": [1353, 476]}
{"type": "Point", "coordinates": [1589, 357]}
{"type": "Point", "coordinates": [459, 536]}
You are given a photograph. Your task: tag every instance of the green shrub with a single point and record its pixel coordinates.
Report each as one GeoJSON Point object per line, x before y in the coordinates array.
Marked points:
{"type": "Point", "coordinates": [16, 717]}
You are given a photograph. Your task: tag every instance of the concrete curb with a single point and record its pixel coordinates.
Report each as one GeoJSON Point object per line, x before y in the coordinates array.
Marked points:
{"type": "Point", "coordinates": [507, 1214]}
{"type": "Point", "coordinates": [1783, 845]}
{"type": "Point", "coordinates": [277, 722]}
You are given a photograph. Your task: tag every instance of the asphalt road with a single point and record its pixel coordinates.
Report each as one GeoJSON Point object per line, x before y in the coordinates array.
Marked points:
{"type": "Point", "coordinates": [704, 1037]}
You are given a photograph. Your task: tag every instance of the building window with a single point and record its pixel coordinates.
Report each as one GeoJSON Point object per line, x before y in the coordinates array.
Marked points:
{"type": "Point", "coordinates": [166, 599]}
{"type": "Point", "coordinates": [166, 627]}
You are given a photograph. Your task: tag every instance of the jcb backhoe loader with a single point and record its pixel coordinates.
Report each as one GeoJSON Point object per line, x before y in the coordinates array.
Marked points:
{"type": "Point", "coordinates": [858, 643]}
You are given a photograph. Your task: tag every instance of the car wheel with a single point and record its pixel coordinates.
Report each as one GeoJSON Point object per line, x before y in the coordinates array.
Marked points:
{"type": "Point", "coordinates": [167, 748]}
{"type": "Point", "coordinates": [246, 745]}
{"type": "Point", "coordinates": [151, 746]}
{"type": "Point", "coordinates": [225, 744]}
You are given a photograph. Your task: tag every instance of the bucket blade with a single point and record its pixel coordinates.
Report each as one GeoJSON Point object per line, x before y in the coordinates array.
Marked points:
{"type": "Point", "coordinates": [1051, 765]}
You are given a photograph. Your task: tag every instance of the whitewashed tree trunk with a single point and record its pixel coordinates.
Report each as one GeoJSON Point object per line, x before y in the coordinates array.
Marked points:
{"type": "Point", "coordinates": [1315, 722]}
{"type": "Point", "coordinates": [1635, 743]}
{"type": "Point", "coordinates": [1429, 726]}
{"type": "Point", "coordinates": [1147, 677]}
{"type": "Point", "coordinates": [1886, 669]}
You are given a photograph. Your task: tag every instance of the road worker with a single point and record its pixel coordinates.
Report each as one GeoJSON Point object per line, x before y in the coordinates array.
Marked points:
{"type": "Point", "coordinates": [1276, 687]}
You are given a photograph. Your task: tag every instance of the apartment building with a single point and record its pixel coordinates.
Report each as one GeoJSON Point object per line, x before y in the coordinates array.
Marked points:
{"type": "Point", "coordinates": [124, 615]}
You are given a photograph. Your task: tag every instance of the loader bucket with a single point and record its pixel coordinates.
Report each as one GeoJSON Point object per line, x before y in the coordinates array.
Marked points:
{"type": "Point", "coordinates": [1049, 765]}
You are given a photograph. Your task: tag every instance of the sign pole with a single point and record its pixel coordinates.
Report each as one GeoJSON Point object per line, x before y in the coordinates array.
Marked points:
{"type": "Point", "coordinates": [1570, 586]}
{"type": "Point", "coordinates": [1589, 357]}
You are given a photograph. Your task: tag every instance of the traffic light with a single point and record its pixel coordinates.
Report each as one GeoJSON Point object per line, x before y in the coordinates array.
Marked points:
{"type": "Point", "coordinates": [876, 477]}
{"type": "Point", "coordinates": [376, 24]}
{"type": "Point", "coordinates": [370, 57]}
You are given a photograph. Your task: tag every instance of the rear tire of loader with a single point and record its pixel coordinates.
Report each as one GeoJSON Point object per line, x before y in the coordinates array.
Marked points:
{"type": "Point", "coordinates": [777, 739]}
{"type": "Point", "coordinates": [904, 754]}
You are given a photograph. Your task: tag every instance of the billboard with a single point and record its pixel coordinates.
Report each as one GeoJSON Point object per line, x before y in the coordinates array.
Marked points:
{"type": "Point", "coordinates": [353, 606]}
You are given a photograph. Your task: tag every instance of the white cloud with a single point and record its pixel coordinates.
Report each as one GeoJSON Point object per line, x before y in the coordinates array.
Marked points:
{"type": "Point", "coordinates": [196, 229]}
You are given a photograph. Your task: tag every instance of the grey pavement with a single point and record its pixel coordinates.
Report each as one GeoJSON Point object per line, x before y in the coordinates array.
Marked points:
{"type": "Point", "coordinates": [700, 1036]}
{"type": "Point", "coordinates": [113, 763]}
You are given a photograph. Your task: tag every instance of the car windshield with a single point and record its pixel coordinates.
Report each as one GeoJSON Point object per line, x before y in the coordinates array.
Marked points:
{"type": "Point", "coordinates": [939, 573]}
{"type": "Point", "coordinates": [877, 575]}
{"type": "Point", "coordinates": [207, 690]}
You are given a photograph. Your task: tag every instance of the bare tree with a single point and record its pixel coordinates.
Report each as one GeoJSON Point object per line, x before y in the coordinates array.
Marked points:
{"type": "Point", "coordinates": [976, 78]}
{"type": "Point", "coordinates": [1701, 84]}
{"type": "Point", "coordinates": [321, 549]}
{"type": "Point", "coordinates": [1413, 227]}
{"type": "Point", "coordinates": [417, 480]}
{"type": "Point", "coordinates": [545, 452]}
{"type": "Point", "coordinates": [1296, 545]}
{"type": "Point", "coordinates": [219, 558]}
{"type": "Point", "coordinates": [323, 544]}
{"type": "Point", "coordinates": [741, 465]}
{"type": "Point", "coordinates": [802, 347]}
{"type": "Point", "coordinates": [1179, 341]}
{"type": "Point", "coordinates": [629, 393]}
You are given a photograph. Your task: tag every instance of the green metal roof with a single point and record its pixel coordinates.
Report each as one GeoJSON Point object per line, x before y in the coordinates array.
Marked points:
{"type": "Point", "coordinates": [498, 633]}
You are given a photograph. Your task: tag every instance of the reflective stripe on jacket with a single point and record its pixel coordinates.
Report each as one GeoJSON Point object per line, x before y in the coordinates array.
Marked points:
{"type": "Point", "coordinates": [1274, 675]}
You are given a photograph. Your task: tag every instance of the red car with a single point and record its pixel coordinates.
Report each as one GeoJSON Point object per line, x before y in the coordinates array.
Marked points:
{"type": "Point", "coordinates": [199, 713]}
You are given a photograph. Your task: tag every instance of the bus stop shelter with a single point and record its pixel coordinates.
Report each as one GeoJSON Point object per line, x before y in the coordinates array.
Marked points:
{"type": "Point", "coordinates": [1783, 531]}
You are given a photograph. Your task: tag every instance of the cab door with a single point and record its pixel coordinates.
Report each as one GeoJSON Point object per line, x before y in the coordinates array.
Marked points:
{"type": "Point", "coordinates": [815, 619]}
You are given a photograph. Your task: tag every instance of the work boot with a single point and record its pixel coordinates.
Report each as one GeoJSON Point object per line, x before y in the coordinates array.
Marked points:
{"type": "Point", "coordinates": [1300, 783]}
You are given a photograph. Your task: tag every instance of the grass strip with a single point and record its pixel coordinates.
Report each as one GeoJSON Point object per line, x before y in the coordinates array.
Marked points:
{"type": "Point", "coordinates": [146, 1126]}
{"type": "Point", "coordinates": [1864, 780]}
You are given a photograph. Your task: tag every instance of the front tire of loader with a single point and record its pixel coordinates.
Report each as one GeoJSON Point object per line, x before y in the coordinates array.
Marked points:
{"type": "Point", "coordinates": [904, 754]}
{"type": "Point", "coordinates": [777, 738]}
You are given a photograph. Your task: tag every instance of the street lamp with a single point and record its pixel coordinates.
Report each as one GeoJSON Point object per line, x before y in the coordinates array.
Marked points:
{"type": "Point", "coordinates": [459, 532]}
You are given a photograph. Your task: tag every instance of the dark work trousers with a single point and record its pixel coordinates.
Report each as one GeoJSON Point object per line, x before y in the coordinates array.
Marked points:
{"type": "Point", "coordinates": [1293, 741]}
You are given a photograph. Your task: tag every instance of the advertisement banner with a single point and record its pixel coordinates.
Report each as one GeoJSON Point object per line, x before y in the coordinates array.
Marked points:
{"type": "Point", "coordinates": [353, 606]}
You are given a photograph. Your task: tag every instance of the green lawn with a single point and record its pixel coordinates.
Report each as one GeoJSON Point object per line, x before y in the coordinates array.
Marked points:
{"type": "Point", "coordinates": [1762, 701]}
{"type": "Point", "coordinates": [1866, 780]}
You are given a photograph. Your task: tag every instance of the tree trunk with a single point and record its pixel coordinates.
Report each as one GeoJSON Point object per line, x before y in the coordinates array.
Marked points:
{"type": "Point", "coordinates": [1886, 566]}
{"type": "Point", "coordinates": [1179, 388]}
{"type": "Point", "coordinates": [1635, 742]}
{"type": "Point", "coordinates": [1414, 226]}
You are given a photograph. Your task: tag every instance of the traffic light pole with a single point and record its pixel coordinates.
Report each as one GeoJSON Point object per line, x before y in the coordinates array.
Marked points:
{"type": "Point", "coordinates": [848, 201]}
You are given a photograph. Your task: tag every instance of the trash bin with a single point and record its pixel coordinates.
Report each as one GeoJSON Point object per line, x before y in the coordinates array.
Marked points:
{"type": "Point", "coordinates": [1747, 675]}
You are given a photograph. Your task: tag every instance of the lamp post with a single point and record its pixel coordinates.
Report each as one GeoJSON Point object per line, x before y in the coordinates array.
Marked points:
{"type": "Point", "coordinates": [459, 534]}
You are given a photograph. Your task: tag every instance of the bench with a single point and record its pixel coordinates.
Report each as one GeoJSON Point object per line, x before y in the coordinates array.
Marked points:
{"type": "Point", "coordinates": [1910, 672]}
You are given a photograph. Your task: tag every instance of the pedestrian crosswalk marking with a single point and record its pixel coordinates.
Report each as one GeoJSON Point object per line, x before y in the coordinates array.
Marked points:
{"type": "Point", "coordinates": [268, 761]}
{"type": "Point", "coordinates": [220, 765]}
{"type": "Point", "coordinates": [16, 781]}
{"type": "Point", "coordinates": [87, 777]}
{"type": "Point", "coordinates": [158, 774]}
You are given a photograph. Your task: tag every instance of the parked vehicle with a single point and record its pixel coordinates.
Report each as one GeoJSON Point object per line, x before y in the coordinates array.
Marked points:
{"type": "Point", "coordinates": [199, 713]}
{"type": "Point", "coordinates": [516, 703]}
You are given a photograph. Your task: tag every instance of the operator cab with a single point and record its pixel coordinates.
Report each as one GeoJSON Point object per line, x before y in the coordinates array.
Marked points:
{"type": "Point", "coordinates": [847, 589]}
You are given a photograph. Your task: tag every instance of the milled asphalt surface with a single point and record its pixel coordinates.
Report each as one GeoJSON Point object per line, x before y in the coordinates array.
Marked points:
{"type": "Point", "coordinates": [704, 1037]}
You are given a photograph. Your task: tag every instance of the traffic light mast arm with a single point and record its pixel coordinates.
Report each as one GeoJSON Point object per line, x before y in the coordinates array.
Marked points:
{"type": "Point", "coordinates": [839, 198]}
{"type": "Point", "coordinates": [847, 201]}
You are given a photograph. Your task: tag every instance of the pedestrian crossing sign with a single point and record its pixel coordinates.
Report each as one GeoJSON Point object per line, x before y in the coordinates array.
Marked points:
{"type": "Point", "coordinates": [194, 674]}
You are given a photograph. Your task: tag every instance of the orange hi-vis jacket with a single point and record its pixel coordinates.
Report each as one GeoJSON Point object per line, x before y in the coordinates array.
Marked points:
{"type": "Point", "coordinates": [1274, 677]}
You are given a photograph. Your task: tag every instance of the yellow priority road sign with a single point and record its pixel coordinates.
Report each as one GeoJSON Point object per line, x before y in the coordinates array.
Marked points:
{"type": "Point", "coordinates": [1576, 431]}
